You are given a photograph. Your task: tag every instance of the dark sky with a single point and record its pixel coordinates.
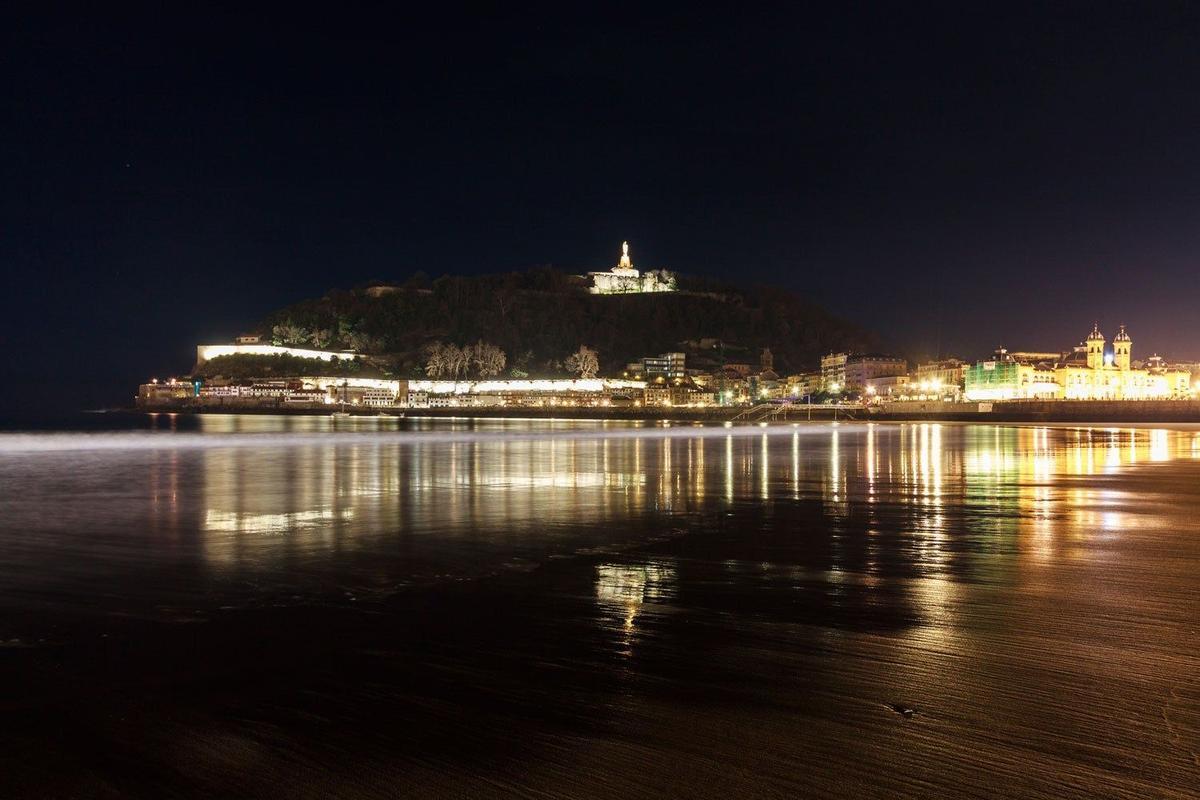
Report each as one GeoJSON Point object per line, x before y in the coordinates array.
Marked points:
{"type": "Point", "coordinates": [953, 177]}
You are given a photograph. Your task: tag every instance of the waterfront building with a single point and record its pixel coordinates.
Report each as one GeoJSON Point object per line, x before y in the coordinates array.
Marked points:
{"type": "Point", "coordinates": [1004, 378]}
{"type": "Point", "coordinates": [663, 395]}
{"type": "Point", "coordinates": [861, 367]}
{"type": "Point", "coordinates": [625, 279]}
{"type": "Point", "coordinates": [171, 389]}
{"type": "Point", "coordinates": [525, 392]}
{"type": "Point", "coordinates": [1179, 377]}
{"type": "Point", "coordinates": [889, 387]}
{"type": "Point", "coordinates": [266, 390]}
{"type": "Point", "coordinates": [833, 372]}
{"type": "Point", "coordinates": [803, 384]}
{"type": "Point", "coordinates": [841, 372]}
{"type": "Point", "coordinates": [1089, 371]}
{"type": "Point", "coordinates": [209, 390]}
{"type": "Point", "coordinates": [378, 397]}
{"type": "Point", "coordinates": [308, 396]}
{"type": "Point", "coordinates": [944, 377]}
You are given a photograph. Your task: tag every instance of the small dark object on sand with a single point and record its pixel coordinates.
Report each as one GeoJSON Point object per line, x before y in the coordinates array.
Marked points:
{"type": "Point", "coordinates": [908, 712]}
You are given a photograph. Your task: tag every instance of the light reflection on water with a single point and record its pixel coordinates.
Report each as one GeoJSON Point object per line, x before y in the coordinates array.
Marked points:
{"type": "Point", "coordinates": [755, 601]}
{"type": "Point", "coordinates": [203, 525]}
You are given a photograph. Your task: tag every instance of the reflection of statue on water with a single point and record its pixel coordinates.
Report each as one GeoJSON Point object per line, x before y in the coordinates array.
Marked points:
{"type": "Point", "coordinates": [625, 587]}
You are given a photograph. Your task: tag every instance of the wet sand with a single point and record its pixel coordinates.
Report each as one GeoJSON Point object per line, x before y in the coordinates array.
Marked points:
{"type": "Point", "coordinates": [747, 616]}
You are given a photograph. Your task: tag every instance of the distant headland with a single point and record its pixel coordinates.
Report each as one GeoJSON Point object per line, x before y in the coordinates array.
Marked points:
{"type": "Point", "coordinates": [653, 344]}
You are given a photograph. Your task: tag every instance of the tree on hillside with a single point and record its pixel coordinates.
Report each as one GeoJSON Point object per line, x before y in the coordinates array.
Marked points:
{"type": "Point", "coordinates": [451, 361]}
{"type": "Point", "coordinates": [321, 337]}
{"type": "Point", "coordinates": [436, 362]}
{"type": "Point", "coordinates": [585, 361]}
{"type": "Point", "coordinates": [287, 334]}
{"type": "Point", "coordinates": [487, 359]}
{"type": "Point", "coordinates": [362, 342]}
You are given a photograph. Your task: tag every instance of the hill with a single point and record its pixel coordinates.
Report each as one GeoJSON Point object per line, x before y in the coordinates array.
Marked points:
{"type": "Point", "coordinates": [538, 317]}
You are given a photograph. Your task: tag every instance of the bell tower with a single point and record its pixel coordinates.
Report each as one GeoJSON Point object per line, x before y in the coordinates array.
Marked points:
{"type": "Point", "coordinates": [1095, 348]}
{"type": "Point", "coordinates": [1122, 349]}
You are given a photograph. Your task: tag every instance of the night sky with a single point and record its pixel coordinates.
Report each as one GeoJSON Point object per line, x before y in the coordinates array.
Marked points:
{"type": "Point", "coordinates": [952, 177]}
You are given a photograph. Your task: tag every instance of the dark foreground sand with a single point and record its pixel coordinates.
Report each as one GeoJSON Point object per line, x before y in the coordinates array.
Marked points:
{"type": "Point", "coordinates": [1041, 624]}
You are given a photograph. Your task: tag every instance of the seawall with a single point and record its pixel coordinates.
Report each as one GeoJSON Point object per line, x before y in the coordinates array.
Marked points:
{"type": "Point", "coordinates": [1040, 411]}
{"type": "Point", "coordinates": [1081, 411]}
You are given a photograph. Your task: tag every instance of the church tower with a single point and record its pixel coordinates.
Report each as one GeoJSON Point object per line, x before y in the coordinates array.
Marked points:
{"type": "Point", "coordinates": [1122, 349]}
{"type": "Point", "coordinates": [1095, 348]}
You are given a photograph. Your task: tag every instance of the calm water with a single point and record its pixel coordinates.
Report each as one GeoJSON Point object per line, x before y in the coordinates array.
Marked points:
{"type": "Point", "coordinates": [260, 606]}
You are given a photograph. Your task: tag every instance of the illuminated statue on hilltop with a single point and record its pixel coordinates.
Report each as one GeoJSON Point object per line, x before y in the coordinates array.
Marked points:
{"type": "Point", "coordinates": [625, 264]}
{"type": "Point", "coordinates": [624, 279]}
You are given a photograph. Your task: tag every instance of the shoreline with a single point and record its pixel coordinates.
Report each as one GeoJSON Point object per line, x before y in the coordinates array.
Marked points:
{"type": "Point", "coordinates": [1045, 412]}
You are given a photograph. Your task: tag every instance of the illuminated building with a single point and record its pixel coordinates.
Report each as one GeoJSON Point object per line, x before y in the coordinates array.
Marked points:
{"type": "Point", "coordinates": [173, 389]}
{"type": "Point", "coordinates": [624, 279]}
{"type": "Point", "coordinates": [944, 377]}
{"type": "Point", "coordinates": [1086, 372]}
{"type": "Point", "coordinates": [890, 387]}
{"type": "Point", "coordinates": [1006, 378]}
{"type": "Point", "coordinates": [806, 383]}
{"type": "Point", "coordinates": [842, 372]}
{"type": "Point", "coordinates": [667, 366]}
{"type": "Point", "coordinates": [833, 372]}
{"type": "Point", "coordinates": [861, 367]}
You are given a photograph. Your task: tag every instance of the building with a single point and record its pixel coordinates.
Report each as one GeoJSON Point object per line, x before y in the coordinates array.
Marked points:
{"type": "Point", "coordinates": [1088, 371]}
{"type": "Point", "coordinates": [380, 397]}
{"type": "Point", "coordinates": [530, 393]}
{"type": "Point", "coordinates": [1091, 373]}
{"type": "Point", "coordinates": [679, 396]}
{"type": "Point", "coordinates": [942, 379]}
{"type": "Point", "coordinates": [888, 387]}
{"type": "Point", "coordinates": [804, 384]}
{"type": "Point", "coordinates": [1005, 378]}
{"type": "Point", "coordinates": [833, 372]}
{"type": "Point", "coordinates": [737, 370]}
{"type": "Point", "coordinates": [663, 367]}
{"type": "Point", "coordinates": [220, 390]}
{"type": "Point", "coordinates": [668, 366]}
{"type": "Point", "coordinates": [863, 367]}
{"type": "Point", "coordinates": [172, 389]}
{"type": "Point", "coordinates": [264, 390]}
{"type": "Point", "coordinates": [315, 396]}
{"type": "Point", "coordinates": [624, 279]}
{"type": "Point", "coordinates": [849, 372]}
{"type": "Point", "coordinates": [1179, 377]}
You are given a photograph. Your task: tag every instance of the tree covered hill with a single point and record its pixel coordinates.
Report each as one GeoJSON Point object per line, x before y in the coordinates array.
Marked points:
{"type": "Point", "coordinates": [540, 316]}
